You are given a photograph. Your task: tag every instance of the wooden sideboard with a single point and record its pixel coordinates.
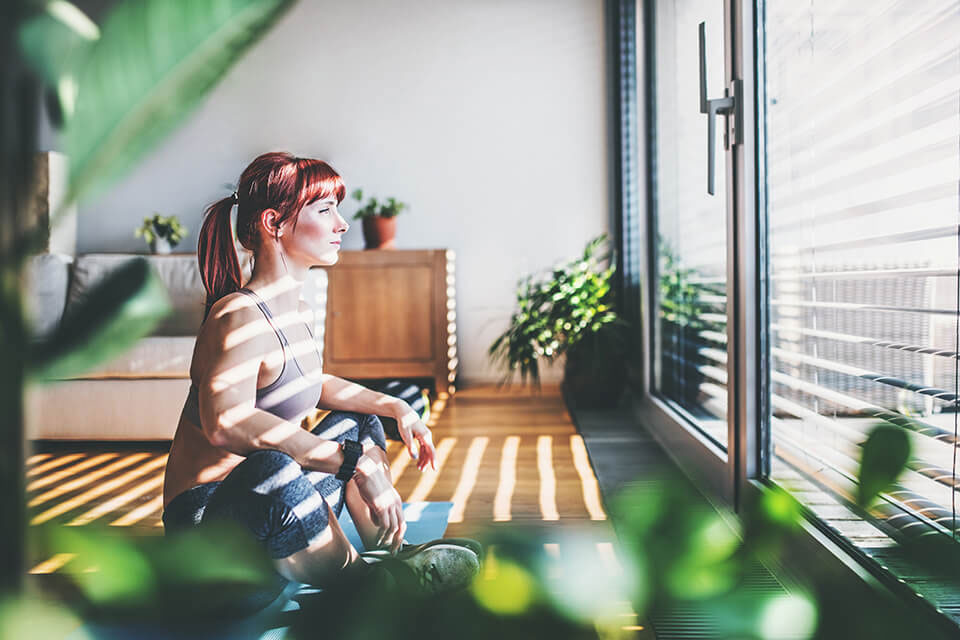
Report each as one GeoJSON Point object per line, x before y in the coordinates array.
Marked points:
{"type": "Point", "coordinates": [392, 313]}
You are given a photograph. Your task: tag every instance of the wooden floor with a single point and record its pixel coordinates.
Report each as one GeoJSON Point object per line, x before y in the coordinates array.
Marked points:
{"type": "Point", "coordinates": [503, 456]}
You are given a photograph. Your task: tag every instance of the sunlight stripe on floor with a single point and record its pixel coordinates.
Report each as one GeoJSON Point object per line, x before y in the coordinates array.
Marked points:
{"type": "Point", "coordinates": [468, 478]}
{"type": "Point", "coordinates": [508, 480]}
{"type": "Point", "coordinates": [608, 558]}
{"type": "Point", "coordinates": [548, 481]}
{"type": "Point", "coordinates": [141, 512]}
{"type": "Point", "coordinates": [100, 490]}
{"type": "Point", "coordinates": [70, 471]}
{"type": "Point", "coordinates": [53, 564]}
{"type": "Point", "coordinates": [114, 503]}
{"type": "Point", "coordinates": [429, 477]}
{"type": "Point", "coordinates": [38, 457]}
{"type": "Point", "coordinates": [53, 464]}
{"type": "Point", "coordinates": [399, 465]}
{"type": "Point", "coordinates": [87, 478]}
{"type": "Point", "coordinates": [588, 481]}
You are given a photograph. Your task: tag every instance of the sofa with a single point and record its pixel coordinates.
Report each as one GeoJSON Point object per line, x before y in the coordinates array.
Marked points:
{"type": "Point", "coordinates": [139, 395]}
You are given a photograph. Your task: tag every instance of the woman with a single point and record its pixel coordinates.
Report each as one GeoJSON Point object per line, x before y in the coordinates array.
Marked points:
{"type": "Point", "coordinates": [239, 451]}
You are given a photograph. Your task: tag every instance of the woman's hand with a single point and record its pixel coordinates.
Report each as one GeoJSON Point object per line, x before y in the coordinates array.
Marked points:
{"type": "Point", "coordinates": [386, 507]}
{"type": "Point", "coordinates": [411, 428]}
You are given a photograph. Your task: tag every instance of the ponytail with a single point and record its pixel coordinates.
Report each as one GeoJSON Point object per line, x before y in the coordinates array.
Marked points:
{"type": "Point", "coordinates": [217, 254]}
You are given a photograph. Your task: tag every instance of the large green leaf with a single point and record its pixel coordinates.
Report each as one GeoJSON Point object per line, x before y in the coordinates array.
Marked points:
{"type": "Point", "coordinates": [153, 63]}
{"type": "Point", "coordinates": [884, 457]}
{"type": "Point", "coordinates": [122, 308]}
{"type": "Point", "coordinates": [56, 39]}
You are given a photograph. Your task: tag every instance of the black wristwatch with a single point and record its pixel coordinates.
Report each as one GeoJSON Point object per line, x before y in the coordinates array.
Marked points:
{"type": "Point", "coordinates": [352, 450]}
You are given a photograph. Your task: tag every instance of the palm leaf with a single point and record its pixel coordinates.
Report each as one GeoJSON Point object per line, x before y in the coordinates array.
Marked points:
{"type": "Point", "coordinates": [150, 68]}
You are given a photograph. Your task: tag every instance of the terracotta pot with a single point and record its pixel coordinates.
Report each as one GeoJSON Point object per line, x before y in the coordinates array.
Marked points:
{"type": "Point", "coordinates": [379, 232]}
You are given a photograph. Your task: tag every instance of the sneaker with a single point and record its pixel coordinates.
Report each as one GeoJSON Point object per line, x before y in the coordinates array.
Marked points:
{"type": "Point", "coordinates": [467, 543]}
{"type": "Point", "coordinates": [431, 568]}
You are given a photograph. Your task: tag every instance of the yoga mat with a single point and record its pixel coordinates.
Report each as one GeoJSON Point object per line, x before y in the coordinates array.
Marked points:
{"type": "Point", "coordinates": [426, 521]}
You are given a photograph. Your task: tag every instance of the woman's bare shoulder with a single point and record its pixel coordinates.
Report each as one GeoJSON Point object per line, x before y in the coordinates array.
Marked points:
{"type": "Point", "coordinates": [234, 324]}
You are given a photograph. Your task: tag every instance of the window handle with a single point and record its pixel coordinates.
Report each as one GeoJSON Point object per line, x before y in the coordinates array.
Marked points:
{"type": "Point", "coordinates": [726, 106]}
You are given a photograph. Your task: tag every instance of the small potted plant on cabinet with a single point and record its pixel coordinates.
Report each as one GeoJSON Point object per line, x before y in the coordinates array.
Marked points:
{"type": "Point", "coordinates": [379, 220]}
{"type": "Point", "coordinates": [569, 311]}
{"type": "Point", "coordinates": [161, 233]}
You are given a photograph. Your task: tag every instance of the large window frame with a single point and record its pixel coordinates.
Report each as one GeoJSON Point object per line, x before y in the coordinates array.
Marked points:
{"type": "Point", "coordinates": [730, 472]}
{"type": "Point", "coordinates": [738, 474]}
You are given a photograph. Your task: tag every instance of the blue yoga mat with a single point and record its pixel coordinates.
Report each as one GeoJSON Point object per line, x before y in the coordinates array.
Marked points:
{"type": "Point", "coordinates": [426, 521]}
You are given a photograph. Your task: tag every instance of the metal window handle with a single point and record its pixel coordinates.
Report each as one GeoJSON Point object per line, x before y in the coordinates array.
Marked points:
{"type": "Point", "coordinates": [726, 106]}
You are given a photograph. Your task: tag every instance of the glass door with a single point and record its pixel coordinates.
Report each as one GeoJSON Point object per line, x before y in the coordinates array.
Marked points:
{"type": "Point", "coordinates": [689, 234]}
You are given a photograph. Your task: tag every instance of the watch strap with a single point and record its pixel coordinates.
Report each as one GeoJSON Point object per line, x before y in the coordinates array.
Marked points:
{"type": "Point", "coordinates": [352, 450]}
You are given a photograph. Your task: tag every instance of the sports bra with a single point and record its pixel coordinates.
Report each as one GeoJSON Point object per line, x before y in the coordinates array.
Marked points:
{"type": "Point", "coordinates": [288, 397]}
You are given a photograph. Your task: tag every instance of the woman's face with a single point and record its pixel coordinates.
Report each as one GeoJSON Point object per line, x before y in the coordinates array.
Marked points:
{"type": "Point", "coordinates": [316, 239]}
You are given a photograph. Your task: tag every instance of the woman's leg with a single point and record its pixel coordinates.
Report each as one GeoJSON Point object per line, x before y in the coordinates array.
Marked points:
{"type": "Point", "coordinates": [269, 495]}
{"type": "Point", "coordinates": [368, 430]}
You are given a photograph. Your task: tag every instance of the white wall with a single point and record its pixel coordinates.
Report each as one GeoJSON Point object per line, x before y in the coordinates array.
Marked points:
{"type": "Point", "coordinates": [487, 116]}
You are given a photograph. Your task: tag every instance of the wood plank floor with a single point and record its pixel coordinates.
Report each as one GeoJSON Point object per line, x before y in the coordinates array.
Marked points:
{"type": "Point", "coordinates": [505, 455]}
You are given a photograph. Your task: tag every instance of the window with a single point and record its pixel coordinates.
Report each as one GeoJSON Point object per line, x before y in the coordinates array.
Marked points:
{"type": "Point", "coordinates": [862, 172]}
{"type": "Point", "coordinates": [815, 294]}
{"type": "Point", "coordinates": [690, 365]}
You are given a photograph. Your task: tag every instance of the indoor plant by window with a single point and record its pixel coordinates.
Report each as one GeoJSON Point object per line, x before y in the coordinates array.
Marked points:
{"type": "Point", "coordinates": [569, 311]}
{"type": "Point", "coordinates": [681, 327]}
{"type": "Point", "coordinates": [379, 220]}
{"type": "Point", "coordinates": [161, 233]}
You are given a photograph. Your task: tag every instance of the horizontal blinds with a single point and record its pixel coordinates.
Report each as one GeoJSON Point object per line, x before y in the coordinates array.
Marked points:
{"type": "Point", "coordinates": [863, 169]}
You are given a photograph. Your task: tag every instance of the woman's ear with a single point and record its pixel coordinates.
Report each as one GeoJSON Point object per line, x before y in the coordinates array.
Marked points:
{"type": "Point", "coordinates": [270, 223]}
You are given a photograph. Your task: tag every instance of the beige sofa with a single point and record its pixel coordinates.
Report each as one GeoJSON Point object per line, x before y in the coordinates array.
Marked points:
{"type": "Point", "coordinates": [139, 395]}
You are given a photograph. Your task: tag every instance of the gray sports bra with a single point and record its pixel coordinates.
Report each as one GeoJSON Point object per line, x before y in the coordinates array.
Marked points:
{"type": "Point", "coordinates": [290, 396]}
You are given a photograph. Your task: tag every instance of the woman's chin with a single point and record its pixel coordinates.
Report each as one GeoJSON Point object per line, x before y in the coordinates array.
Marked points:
{"type": "Point", "coordinates": [327, 259]}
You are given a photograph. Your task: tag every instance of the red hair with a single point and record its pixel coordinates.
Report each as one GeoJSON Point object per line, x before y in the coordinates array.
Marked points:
{"type": "Point", "coordinates": [275, 180]}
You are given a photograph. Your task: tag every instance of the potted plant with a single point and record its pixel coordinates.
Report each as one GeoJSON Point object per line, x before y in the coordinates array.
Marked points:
{"type": "Point", "coordinates": [161, 233]}
{"type": "Point", "coordinates": [569, 311]}
{"type": "Point", "coordinates": [379, 224]}
{"type": "Point", "coordinates": [681, 324]}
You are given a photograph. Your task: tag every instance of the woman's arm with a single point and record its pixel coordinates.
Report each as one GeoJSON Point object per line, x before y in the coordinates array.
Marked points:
{"type": "Point", "coordinates": [343, 395]}
{"type": "Point", "coordinates": [227, 363]}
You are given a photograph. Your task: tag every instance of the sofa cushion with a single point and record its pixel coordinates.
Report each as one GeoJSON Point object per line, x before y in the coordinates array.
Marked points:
{"type": "Point", "coordinates": [151, 357]}
{"type": "Point", "coordinates": [178, 272]}
{"type": "Point", "coordinates": [47, 279]}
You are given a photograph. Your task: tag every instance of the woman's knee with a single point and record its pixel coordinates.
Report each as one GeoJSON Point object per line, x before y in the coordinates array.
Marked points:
{"type": "Point", "coordinates": [350, 425]}
{"type": "Point", "coordinates": [371, 432]}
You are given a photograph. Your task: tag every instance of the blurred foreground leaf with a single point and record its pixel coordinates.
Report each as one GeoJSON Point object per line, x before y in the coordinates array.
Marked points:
{"type": "Point", "coordinates": [122, 308]}
{"type": "Point", "coordinates": [216, 571]}
{"type": "Point", "coordinates": [35, 618]}
{"type": "Point", "coordinates": [108, 570]}
{"type": "Point", "coordinates": [153, 63]}
{"type": "Point", "coordinates": [884, 457]}
{"type": "Point", "coordinates": [55, 42]}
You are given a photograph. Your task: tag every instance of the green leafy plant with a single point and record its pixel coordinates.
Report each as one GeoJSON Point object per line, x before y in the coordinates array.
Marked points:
{"type": "Point", "coordinates": [389, 208]}
{"type": "Point", "coordinates": [157, 226]}
{"type": "Point", "coordinates": [884, 456]}
{"type": "Point", "coordinates": [116, 90]}
{"type": "Point", "coordinates": [680, 296]}
{"type": "Point", "coordinates": [681, 326]}
{"type": "Point", "coordinates": [557, 311]}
